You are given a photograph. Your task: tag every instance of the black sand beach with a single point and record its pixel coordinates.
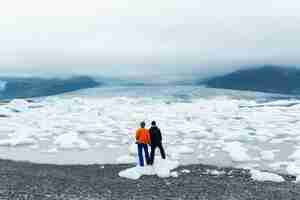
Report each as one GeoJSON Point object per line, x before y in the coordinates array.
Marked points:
{"type": "Point", "coordinates": [21, 180]}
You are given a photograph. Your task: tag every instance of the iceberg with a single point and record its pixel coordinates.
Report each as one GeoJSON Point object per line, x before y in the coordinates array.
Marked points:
{"type": "Point", "coordinates": [161, 168]}
{"type": "Point", "coordinates": [2, 85]}
{"type": "Point", "coordinates": [265, 176]}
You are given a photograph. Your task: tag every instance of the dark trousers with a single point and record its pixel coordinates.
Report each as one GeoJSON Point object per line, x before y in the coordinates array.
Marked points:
{"type": "Point", "coordinates": [144, 147]}
{"type": "Point", "coordinates": [153, 148]}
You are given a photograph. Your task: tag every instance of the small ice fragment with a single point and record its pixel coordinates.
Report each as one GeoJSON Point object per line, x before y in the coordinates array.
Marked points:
{"type": "Point", "coordinates": [189, 141]}
{"type": "Point", "coordinates": [162, 168]}
{"type": "Point", "coordinates": [215, 172]}
{"type": "Point", "coordinates": [131, 173]}
{"type": "Point", "coordinates": [265, 176]}
{"type": "Point", "coordinates": [71, 140]}
{"type": "Point", "coordinates": [298, 179]}
{"type": "Point", "coordinates": [18, 105]}
{"type": "Point", "coordinates": [182, 150]}
{"type": "Point", "coordinates": [186, 171]}
{"type": "Point", "coordinates": [174, 174]}
{"type": "Point", "coordinates": [112, 146]}
{"type": "Point", "coordinates": [53, 150]}
{"type": "Point", "coordinates": [295, 155]}
{"type": "Point", "coordinates": [293, 168]}
{"type": "Point", "coordinates": [237, 152]}
{"type": "Point", "coordinates": [200, 146]}
{"type": "Point", "coordinates": [267, 155]}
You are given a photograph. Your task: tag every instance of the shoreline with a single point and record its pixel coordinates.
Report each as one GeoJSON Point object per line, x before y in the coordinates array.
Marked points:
{"type": "Point", "coordinates": [25, 180]}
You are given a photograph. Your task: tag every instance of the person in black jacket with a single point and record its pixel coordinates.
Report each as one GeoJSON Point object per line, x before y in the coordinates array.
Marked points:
{"type": "Point", "coordinates": [156, 141]}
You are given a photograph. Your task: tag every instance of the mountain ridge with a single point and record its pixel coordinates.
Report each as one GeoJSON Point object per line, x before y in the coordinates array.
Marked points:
{"type": "Point", "coordinates": [29, 87]}
{"type": "Point", "coordinates": [268, 78]}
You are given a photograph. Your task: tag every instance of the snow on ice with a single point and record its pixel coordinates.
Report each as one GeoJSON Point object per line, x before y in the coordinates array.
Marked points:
{"type": "Point", "coordinates": [71, 140]}
{"type": "Point", "coordinates": [265, 176]}
{"type": "Point", "coordinates": [161, 168]}
{"type": "Point", "coordinates": [267, 155]}
{"type": "Point", "coordinates": [241, 131]}
{"type": "Point", "coordinates": [237, 152]}
{"type": "Point", "coordinates": [126, 159]}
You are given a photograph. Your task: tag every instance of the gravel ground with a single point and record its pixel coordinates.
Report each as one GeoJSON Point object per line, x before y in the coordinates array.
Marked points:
{"type": "Point", "coordinates": [20, 180]}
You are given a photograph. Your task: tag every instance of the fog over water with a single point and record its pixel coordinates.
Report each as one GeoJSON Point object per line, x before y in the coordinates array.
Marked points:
{"type": "Point", "coordinates": [142, 39]}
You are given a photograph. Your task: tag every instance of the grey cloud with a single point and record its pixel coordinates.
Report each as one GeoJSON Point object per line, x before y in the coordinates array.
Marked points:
{"type": "Point", "coordinates": [170, 38]}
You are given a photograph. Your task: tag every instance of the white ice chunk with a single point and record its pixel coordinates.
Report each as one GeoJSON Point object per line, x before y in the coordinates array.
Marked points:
{"type": "Point", "coordinates": [295, 155]}
{"type": "Point", "coordinates": [18, 138]}
{"type": "Point", "coordinates": [181, 150]}
{"type": "Point", "coordinates": [5, 111]}
{"type": "Point", "coordinates": [174, 174]}
{"type": "Point", "coordinates": [189, 141]}
{"type": "Point", "coordinates": [52, 150]}
{"type": "Point", "coordinates": [132, 173]}
{"type": "Point", "coordinates": [277, 141]}
{"type": "Point", "coordinates": [3, 85]}
{"type": "Point", "coordinates": [161, 168]}
{"type": "Point", "coordinates": [267, 155]}
{"type": "Point", "coordinates": [71, 140]}
{"type": "Point", "coordinates": [298, 179]}
{"type": "Point", "coordinates": [17, 141]}
{"type": "Point", "coordinates": [186, 171]}
{"type": "Point", "coordinates": [279, 103]}
{"type": "Point", "coordinates": [200, 146]}
{"type": "Point", "coordinates": [237, 152]}
{"type": "Point", "coordinates": [112, 146]}
{"type": "Point", "coordinates": [265, 176]}
{"type": "Point", "coordinates": [215, 172]}
{"type": "Point", "coordinates": [18, 105]}
{"type": "Point", "coordinates": [293, 168]}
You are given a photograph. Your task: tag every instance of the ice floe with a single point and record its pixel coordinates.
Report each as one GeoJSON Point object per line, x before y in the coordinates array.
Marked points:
{"type": "Point", "coordinates": [174, 174]}
{"type": "Point", "coordinates": [181, 150]}
{"type": "Point", "coordinates": [295, 155]}
{"type": "Point", "coordinates": [265, 176]}
{"type": "Point", "coordinates": [267, 155]}
{"type": "Point", "coordinates": [237, 152]}
{"type": "Point", "coordinates": [218, 129]}
{"type": "Point", "coordinates": [214, 172]}
{"type": "Point", "coordinates": [71, 140]}
{"type": "Point", "coordinates": [126, 159]}
{"type": "Point", "coordinates": [23, 136]}
{"type": "Point", "coordinates": [186, 171]}
{"type": "Point", "coordinates": [2, 85]}
{"type": "Point", "coordinates": [18, 105]}
{"type": "Point", "coordinates": [17, 141]}
{"type": "Point", "coordinates": [161, 168]}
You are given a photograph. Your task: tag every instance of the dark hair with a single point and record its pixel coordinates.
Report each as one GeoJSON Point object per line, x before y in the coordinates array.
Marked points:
{"type": "Point", "coordinates": [153, 123]}
{"type": "Point", "coordinates": [143, 124]}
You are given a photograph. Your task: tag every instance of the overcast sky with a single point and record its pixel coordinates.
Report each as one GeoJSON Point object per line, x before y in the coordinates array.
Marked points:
{"type": "Point", "coordinates": [154, 38]}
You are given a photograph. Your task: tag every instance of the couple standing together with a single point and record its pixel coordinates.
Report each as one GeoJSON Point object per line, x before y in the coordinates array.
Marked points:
{"type": "Point", "coordinates": [152, 137]}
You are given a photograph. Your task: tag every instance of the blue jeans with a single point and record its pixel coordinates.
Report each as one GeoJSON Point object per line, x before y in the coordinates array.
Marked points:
{"type": "Point", "coordinates": [144, 147]}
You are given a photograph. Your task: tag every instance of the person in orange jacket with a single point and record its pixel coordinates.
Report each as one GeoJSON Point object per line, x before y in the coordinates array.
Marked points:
{"type": "Point", "coordinates": [143, 139]}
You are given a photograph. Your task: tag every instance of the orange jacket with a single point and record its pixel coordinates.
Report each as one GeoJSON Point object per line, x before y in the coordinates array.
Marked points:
{"type": "Point", "coordinates": [142, 136]}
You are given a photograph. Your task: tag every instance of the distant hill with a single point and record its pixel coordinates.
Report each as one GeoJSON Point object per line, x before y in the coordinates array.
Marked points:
{"type": "Point", "coordinates": [271, 79]}
{"type": "Point", "coordinates": [11, 88]}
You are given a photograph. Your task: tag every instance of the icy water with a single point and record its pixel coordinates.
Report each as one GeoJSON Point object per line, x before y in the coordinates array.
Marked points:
{"type": "Point", "coordinates": [199, 125]}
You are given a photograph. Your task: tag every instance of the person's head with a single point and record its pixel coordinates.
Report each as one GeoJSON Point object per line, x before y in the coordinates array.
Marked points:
{"type": "Point", "coordinates": [143, 124]}
{"type": "Point", "coordinates": [153, 123]}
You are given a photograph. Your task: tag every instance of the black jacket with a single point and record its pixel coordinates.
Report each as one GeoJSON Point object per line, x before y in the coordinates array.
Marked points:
{"type": "Point", "coordinates": [155, 135]}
